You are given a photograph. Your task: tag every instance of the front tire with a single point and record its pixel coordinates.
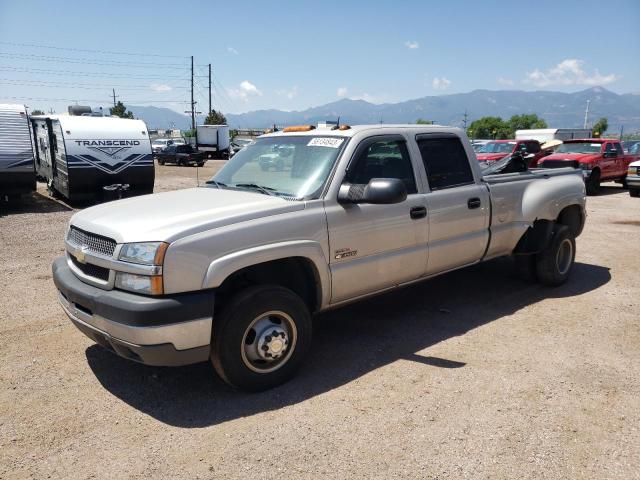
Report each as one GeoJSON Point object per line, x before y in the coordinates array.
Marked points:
{"type": "Point", "coordinates": [634, 192]}
{"type": "Point", "coordinates": [593, 183]}
{"type": "Point", "coordinates": [261, 337]}
{"type": "Point", "coordinates": [554, 264]}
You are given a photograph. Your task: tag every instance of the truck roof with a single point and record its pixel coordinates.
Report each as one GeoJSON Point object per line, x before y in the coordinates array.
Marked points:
{"type": "Point", "coordinates": [353, 130]}
{"type": "Point", "coordinates": [591, 140]}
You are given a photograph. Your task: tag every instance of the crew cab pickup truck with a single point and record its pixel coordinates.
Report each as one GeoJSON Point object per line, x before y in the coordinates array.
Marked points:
{"type": "Point", "coordinates": [181, 155]}
{"type": "Point", "coordinates": [497, 149]}
{"type": "Point", "coordinates": [599, 158]}
{"type": "Point", "coordinates": [234, 270]}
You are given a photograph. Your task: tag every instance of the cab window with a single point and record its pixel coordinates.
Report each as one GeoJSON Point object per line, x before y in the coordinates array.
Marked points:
{"type": "Point", "coordinates": [446, 162]}
{"type": "Point", "coordinates": [384, 159]}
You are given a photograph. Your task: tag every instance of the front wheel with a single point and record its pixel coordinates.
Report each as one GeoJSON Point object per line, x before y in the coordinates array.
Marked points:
{"type": "Point", "coordinates": [553, 264]}
{"type": "Point", "coordinates": [593, 183]}
{"type": "Point", "coordinates": [261, 337]}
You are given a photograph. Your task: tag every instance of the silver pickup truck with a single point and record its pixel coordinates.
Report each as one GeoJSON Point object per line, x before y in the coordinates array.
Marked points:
{"type": "Point", "coordinates": [233, 271]}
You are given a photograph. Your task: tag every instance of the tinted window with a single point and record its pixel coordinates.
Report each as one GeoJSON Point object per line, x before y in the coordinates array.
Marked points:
{"type": "Point", "coordinates": [619, 148]}
{"type": "Point", "coordinates": [609, 148]}
{"type": "Point", "coordinates": [384, 159]}
{"type": "Point", "coordinates": [184, 149]}
{"type": "Point", "coordinates": [446, 162]}
{"type": "Point", "coordinates": [533, 147]}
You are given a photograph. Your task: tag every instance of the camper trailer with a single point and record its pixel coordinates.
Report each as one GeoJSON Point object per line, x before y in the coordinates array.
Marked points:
{"type": "Point", "coordinates": [80, 155]}
{"type": "Point", "coordinates": [17, 174]}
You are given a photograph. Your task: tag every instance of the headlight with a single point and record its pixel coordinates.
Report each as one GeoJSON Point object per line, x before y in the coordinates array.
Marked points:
{"type": "Point", "coordinates": [151, 285]}
{"type": "Point", "coordinates": [634, 171]}
{"type": "Point", "coordinates": [149, 253]}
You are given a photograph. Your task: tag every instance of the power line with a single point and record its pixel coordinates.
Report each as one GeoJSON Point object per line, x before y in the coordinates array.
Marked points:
{"type": "Point", "coordinates": [106, 52]}
{"type": "Point", "coordinates": [88, 74]}
{"type": "Point", "coordinates": [89, 61]}
{"type": "Point", "coordinates": [96, 86]}
{"type": "Point", "coordinates": [47, 99]}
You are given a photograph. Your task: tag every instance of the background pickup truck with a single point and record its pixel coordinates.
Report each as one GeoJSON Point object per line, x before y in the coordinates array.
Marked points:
{"type": "Point", "coordinates": [497, 149]}
{"type": "Point", "coordinates": [232, 272]}
{"type": "Point", "coordinates": [181, 155]}
{"type": "Point", "coordinates": [599, 159]}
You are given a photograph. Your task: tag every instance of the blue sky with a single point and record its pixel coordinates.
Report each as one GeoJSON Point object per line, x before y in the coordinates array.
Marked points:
{"type": "Point", "coordinates": [294, 55]}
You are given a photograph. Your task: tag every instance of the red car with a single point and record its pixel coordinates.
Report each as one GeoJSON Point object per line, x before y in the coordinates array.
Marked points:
{"type": "Point", "coordinates": [497, 149]}
{"type": "Point", "coordinates": [599, 158]}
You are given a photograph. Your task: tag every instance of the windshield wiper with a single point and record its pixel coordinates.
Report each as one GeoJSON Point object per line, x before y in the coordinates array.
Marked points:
{"type": "Point", "coordinates": [217, 184]}
{"type": "Point", "coordinates": [260, 188]}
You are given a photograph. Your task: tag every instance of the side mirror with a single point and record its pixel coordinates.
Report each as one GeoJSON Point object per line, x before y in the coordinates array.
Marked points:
{"type": "Point", "coordinates": [378, 191]}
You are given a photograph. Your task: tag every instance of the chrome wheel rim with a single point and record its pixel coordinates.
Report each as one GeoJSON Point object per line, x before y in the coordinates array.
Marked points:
{"type": "Point", "coordinates": [268, 341]}
{"type": "Point", "coordinates": [564, 256]}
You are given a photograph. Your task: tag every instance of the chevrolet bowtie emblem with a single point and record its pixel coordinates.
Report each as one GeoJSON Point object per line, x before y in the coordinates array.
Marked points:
{"type": "Point", "coordinates": [81, 254]}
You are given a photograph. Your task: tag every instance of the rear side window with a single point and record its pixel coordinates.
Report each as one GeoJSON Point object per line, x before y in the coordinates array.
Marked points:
{"type": "Point", "coordinates": [446, 162]}
{"type": "Point", "coordinates": [533, 147]}
{"type": "Point", "coordinates": [619, 148]}
{"type": "Point", "coordinates": [184, 149]}
{"type": "Point", "coordinates": [384, 159]}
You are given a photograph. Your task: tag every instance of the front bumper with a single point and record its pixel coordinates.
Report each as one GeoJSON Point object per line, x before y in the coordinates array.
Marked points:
{"type": "Point", "coordinates": [633, 181]}
{"type": "Point", "coordinates": [168, 331]}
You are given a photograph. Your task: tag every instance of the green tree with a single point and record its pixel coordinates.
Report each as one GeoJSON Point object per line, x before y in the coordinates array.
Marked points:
{"type": "Point", "coordinates": [489, 128]}
{"type": "Point", "coordinates": [189, 133]}
{"type": "Point", "coordinates": [422, 121]}
{"type": "Point", "coordinates": [121, 111]}
{"type": "Point", "coordinates": [233, 133]}
{"type": "Point", "coordinates": [525, 122]}
{"type": "Point", "coordinates": [37, 112]}
{"type": "Point", "coordinates": [600, 127]}
{"type": "Point", "coordinates": [215, 118]}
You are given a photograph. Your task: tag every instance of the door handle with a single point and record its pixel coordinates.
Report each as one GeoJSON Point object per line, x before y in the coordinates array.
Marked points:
{"type": "Point", "coordinates": [417, 212]}
{"type": "Point", "coordinates": [474, 203]}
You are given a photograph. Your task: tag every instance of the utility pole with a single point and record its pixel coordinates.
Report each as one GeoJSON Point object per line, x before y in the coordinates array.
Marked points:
{"type": "Point", "coordinates": [209, 88]}
{"type": "Point", "coordinates": [193, 105]}
{"type": "Point", "coordinates": [114, 96]}
{"type": "Point", "coordinates": [464, 120]}
{"type": "Point", "coordinates": [586, 115]}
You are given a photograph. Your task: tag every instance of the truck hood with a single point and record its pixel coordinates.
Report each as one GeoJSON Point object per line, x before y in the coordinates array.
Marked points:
{"type": "Point", "coordinates": [581, 157]}
{"type": "Point", "coordinates": [490, 157]}
{"type": "Point", "coordinates": [172, 215]}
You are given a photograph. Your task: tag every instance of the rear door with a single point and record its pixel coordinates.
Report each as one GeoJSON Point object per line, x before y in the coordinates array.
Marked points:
{"type": "Point", "coordinates": [457, 207]}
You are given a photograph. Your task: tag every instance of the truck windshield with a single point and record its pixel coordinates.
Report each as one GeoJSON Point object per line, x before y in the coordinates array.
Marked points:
{"type": "Point", "coordinates": [292, 166]}
{"type": "Point", "coordinates": [497, 147]}
{"type": "Point", "coordinates": [579, 147]}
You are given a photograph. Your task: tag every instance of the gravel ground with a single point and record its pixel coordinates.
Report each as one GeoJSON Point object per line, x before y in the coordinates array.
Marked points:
{"type": "Point", "coordinates": [472, 375]}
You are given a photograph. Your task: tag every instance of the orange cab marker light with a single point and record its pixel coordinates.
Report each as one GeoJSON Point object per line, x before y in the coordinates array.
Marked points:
{"type": "Point", "coordinates": [299, 128]}
{"type": "Point", "coordinates": [344, 127]}
{"type": "Point", "coordinates": [160, 252]}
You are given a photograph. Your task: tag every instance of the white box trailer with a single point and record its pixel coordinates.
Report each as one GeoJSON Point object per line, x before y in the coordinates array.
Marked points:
{"type": "Point", "coordinates": [79, 155]}
{"type": "Point", "coordinates": [544, 135]}
{"type": "Point", "coordinates": [17, 170]}
{"type": "Point", "coordinates": [213, 139]}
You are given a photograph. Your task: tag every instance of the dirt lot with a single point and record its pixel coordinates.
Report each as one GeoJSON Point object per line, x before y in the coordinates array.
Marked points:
{"type": "Point", "coordinates": [472, 375]}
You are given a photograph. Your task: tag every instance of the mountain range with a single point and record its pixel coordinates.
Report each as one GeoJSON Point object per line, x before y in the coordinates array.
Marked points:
{"type": "Point", "coordinates": [560, 110]}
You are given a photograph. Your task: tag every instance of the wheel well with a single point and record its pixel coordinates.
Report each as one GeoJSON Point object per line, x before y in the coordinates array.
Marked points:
{"type": "Point", "coordinates": [571, 216]}
{"type": "Point", "coordinates": [298, 274]}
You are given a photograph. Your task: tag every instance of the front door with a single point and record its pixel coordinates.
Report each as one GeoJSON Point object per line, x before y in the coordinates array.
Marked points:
{"type": "Point", "coordinates": [377, 246]}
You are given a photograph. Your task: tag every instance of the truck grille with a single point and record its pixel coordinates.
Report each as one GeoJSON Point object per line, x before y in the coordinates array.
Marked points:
{"type": "Point", "coordinates": [92, 242]}
{"type": "Point", "coordinates": [90, 270]}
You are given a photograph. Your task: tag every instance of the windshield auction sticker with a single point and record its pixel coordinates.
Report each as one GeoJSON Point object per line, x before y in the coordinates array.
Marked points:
{"type": "Point", "coordinates": [325, 142]}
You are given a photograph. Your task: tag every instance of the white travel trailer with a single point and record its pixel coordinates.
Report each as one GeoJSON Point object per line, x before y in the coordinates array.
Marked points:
{"type": "Point", "coordinates": [544, 135]}
{"type": "Point", "coordinates": [17, 174]}
{"type": "Point", "coordinates": [79, 155]}
{"type": "Point", "coordinates": [213, 139]}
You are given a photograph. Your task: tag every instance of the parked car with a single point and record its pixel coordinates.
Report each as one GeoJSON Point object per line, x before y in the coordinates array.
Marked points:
{"type": "Point", "coordinates": [631, 146]}
{"type": "Point", "coordinates": [599, 158]}
{"type": "Point", "coordinates": [238, 144]}
{"type": "Point", "coordinates": [181, 155]}
{"type": "Point", "coordinates": [497, 149]}
{"type": "Point", "coordinates": [478, 144]}
{"type": "Point", "coordinates": [633, 178]}
{"type": "Point", "coordinates": [233, 272]}
{"type": "Point", "coordinates": [160, 144]}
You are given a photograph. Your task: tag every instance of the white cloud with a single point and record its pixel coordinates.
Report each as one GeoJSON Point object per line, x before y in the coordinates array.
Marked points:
{"type": "Point", "coordinates": [245, 90]}
{"type": "Point", "coordinates": [505, 81]}
{"type": "Point", "coordinates": [290, 94]}
{"type": "Point", "coordinates": [342, 91]}
{"type": "Point", "coordinates": [411, 44]}
{"type": "Point", "coordinates": [160, 87]}
{"type": "Point", "coordinates": [568, 72]}
{"type": "Point", "coordinates": [440, 83]}
{"type": "Point", "coordinates": [232, 50]}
